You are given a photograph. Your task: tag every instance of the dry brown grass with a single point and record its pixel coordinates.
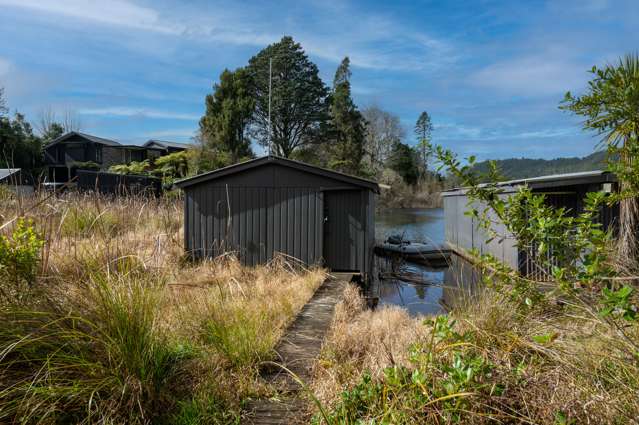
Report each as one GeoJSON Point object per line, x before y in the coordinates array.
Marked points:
{"type": "Point", "coordinates": [553, 365]}
{"type": "Point", "coordinates": [362, 340]}
{"type": "Point", "coordinates": [217, 319]}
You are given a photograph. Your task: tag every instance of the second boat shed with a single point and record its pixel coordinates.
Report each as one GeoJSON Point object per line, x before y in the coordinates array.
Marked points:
{"type": "Point", "coordinates": [566, 191]}
{"type": "Point", "coordinates": [269, 205]}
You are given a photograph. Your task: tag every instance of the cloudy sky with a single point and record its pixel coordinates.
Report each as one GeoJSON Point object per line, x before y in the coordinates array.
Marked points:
{"type": "Point", "coordinates": [491, 73]}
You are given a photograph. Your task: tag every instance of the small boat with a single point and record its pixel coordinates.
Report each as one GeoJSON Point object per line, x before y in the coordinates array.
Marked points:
{"type": "Point", "coordinates": [414, 252]}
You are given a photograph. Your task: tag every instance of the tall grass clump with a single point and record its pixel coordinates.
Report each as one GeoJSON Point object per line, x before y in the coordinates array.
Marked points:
{"type": "Point", "coordinates": [109, 323]}
{"type": "Point", "coordinates": [103, 361]}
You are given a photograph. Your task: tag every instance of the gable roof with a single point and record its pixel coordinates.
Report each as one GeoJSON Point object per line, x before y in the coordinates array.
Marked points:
{"type": "Point", "coordinates": [89, 137]}
{"type": "Point", "coordinates": [549, 181]}
{"type": "Point", "coordinates": [166, 144]}
{"type": "Point", "coordinates": [258, 162]}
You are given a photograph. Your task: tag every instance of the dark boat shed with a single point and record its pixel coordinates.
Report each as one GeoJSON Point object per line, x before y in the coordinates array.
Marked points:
{"type": "Point", "coordinates": [275, 205]}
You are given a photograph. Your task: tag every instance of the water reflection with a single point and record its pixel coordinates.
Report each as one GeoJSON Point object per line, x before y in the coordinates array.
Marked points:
{"type": "Point", "coordinates": [439, 288]}
{"type": "Point", "coordinates": [416, 224]}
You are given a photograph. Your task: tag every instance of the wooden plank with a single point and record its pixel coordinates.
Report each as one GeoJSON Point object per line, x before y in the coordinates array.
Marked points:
{"type": "Point", "coordinates": [297, 351]}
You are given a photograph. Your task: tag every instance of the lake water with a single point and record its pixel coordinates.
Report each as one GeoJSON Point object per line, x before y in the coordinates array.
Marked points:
{"type": "Point", "coordinates": [442, 286]}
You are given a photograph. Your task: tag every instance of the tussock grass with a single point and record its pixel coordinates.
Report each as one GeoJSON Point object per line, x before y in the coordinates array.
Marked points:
{"type": "Point", "coordinates": [556, 364]}
{"type": "Point", "coordinates": [119, 328]}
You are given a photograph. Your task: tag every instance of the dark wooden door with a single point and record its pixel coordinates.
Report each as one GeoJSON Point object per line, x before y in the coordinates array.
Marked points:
{"type": "Point", "coordinates": [342, 229]}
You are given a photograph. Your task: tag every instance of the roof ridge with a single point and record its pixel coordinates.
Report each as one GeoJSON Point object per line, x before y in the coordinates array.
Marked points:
{"type": "Point", "coordinates": [234, 168]}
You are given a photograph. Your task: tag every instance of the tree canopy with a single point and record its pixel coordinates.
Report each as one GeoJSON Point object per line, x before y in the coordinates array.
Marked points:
{"type": "Point", "coordinates": [382, 130]}
{"type": "Point", "coordinates": [423, 131]}
{"type": "Point", "coordinates": [229, 111]}
{"type": "Point", "coordinates": [298, 97]}
{"type": "Point", "coordinates": [404, 161]}
{"type": "Point", "coordinates": [610, 107]}
{"type": "Point", "coordinates": [19, 146]}
{"type": "Point", "coordinates": [346, 125]}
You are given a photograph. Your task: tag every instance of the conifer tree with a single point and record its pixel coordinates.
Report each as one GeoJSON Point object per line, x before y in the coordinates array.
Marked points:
{"type": "Point", "coordinates": [229, 110]}
{"type": "Point", "coordinates": [347, 125]}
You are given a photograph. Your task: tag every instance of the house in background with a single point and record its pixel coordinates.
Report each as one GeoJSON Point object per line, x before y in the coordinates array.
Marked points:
{"type": "Point", "coordinates": [166, 147]}
{"type": "Point", "coordinates": [65, 154]}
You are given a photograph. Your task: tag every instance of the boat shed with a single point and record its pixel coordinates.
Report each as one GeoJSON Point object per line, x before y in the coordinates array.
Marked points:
{"type": "Point", "coordinates": [462, 232]}
{"type": "Point", "coordinates": [275, 205]}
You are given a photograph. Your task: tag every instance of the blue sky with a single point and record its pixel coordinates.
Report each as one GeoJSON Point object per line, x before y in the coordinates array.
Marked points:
{"type": "Point", "coordinates": [491, 73]}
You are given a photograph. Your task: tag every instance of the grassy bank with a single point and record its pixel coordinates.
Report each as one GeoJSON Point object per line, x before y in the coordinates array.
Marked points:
{"type": "Point", "coordinates": [489, 361]}
{"type": "Point", "coordinates": [425, 194]}
{"type": "Point", "coordinates": [105, 322]}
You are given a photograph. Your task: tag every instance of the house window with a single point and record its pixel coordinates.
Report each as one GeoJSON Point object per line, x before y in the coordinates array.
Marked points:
{"type": "Point", "coordinates": [98, 154]}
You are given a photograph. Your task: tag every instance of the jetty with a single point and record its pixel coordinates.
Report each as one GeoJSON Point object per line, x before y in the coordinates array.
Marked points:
{"type": "Point", "coordinates": [297, 351]}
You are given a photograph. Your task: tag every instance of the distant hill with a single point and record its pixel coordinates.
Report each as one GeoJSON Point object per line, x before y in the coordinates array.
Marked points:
{"type": "Point", "coordinates": [520, 168]}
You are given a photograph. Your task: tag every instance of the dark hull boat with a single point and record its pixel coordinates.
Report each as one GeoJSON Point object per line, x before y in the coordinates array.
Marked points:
{"type": "Point", "coordinates": [421, 253]}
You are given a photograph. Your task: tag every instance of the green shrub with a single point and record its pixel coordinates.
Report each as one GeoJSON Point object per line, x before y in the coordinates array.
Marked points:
{"type": "Point", "coordinates": [19, 259]}
{"type": "Point", "coordinates": [135, 168]}
{"type": "Point", "coordinates": [446, 371]}
{"type": "Point", "coordinates": [88, 165]}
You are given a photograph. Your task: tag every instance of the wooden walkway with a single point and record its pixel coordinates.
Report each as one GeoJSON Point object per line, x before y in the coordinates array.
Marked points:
{"type": "Point", "coordinates": [297, 351]}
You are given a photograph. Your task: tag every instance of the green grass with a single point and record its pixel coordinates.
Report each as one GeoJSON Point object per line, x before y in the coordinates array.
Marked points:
{"type": "Point", "coordinates": [84, 222]}
{"type": "Point", "coordinates": [241, 336]}
{"type": "Point", "coordinates": [106, 360]}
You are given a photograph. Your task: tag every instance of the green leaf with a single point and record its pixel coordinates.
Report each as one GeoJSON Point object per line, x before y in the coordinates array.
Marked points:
{"type": "Point", "coordinates": [545, 338]}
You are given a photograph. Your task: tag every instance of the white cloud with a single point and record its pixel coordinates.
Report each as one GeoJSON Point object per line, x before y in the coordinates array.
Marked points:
{"type": "Point", "coordinates": [112, 12]}
{"type": "Point", "coordinates": [372, 41]}
{"type": "Point", "coordinates": [171, 133]}
{"type": "Point", "coordinates": [454, 131]}
{"type": "Point", "coordinates": [125, 111]}
{"type": "Point", "coordinates": [532, 76]}
{"type": "Point", "coordinates": [5, 67]}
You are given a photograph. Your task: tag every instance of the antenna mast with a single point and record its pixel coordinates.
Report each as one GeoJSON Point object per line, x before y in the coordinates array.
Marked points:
{"type": "Point", "coordinates": [270, 78]}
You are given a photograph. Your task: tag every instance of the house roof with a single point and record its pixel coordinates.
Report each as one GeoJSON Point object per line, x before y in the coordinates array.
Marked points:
{"type": "Point", "coordinates": [550, 181]}
{"type": "Point", "coordinates": [166, 144]}
{"type": "Point", "coordinates": [258, 162]}
{"type": "Point", "coordinates": [89, 137]}
{"type": "Point", "coordinates": [7, 172]}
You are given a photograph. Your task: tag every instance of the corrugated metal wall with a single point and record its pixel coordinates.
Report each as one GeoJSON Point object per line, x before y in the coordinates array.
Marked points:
{"type": "Point", "coordinates": [255, 222]}
{"type": "Point", "coordinates": [464, 232]}
{"type": "Point", "coordinates": [276, 207]}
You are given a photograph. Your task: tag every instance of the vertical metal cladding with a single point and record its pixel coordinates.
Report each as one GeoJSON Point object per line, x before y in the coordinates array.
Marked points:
{"type": "Point", "coordinates": [274, 205]}
{"type": "Point", "coordinates": [566, 191]}
{"type": "Point", "coordinates": [254, 222]}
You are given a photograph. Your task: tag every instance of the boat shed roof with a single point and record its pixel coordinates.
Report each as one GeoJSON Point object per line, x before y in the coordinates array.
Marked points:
{"type": "Point", "coordinates": [549, 181]}
{"type": "Point", "coordinates": [258, 162]}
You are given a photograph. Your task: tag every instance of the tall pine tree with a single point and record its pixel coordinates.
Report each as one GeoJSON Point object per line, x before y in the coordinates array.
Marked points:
{"type": "Point", "coordinates": [423, 130]}
{"type": "Point", "coordinates": [347, 125]}
{"type": "Point", "coordinates": [298, 102]}
{"type": "Point", "coordinates": [229, 110]}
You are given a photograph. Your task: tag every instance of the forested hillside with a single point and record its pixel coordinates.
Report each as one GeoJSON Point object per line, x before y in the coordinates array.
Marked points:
{"type": "Point", "coordinates": [519, 168]}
